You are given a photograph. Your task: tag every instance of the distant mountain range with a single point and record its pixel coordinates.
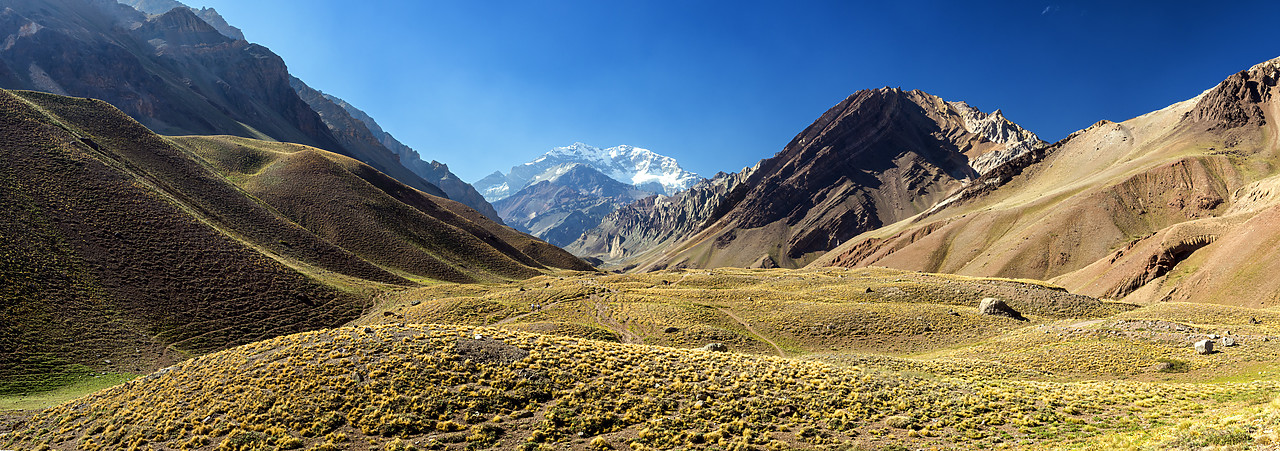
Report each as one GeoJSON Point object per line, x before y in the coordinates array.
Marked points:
{"type": "Point", "coordinates": [570, 189]}
{"type": "Point", "coordinates": [558, 209]}
{"type": "Point", "coordinates": [878, 157]}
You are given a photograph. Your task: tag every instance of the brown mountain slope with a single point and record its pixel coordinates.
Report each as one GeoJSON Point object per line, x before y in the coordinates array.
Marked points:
{"type": "Point", "coordinates": [876, 158]}
{"type": "Point", "coordinates": [106, 267]}
{"type": "Point", "coordinates": [1171, 205]}
{"type": "Point", "coordinates": [348, 203]}
{"type": "Point", "coordinates": [435, 172]}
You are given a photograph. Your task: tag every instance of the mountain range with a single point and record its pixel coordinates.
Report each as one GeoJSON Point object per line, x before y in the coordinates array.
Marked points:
{"type": "Point", "coordinates": [569, 190]}
{"type": "Point", "coordinates": [1173, 205]}
{"type": "Point", "coordinates": [638, 167]}
{"type": "Point", "coordinates": [878, 157]}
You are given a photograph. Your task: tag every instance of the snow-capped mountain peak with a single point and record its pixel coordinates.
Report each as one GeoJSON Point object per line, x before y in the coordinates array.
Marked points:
{"type": "Point", "coordinates": [631, 165]}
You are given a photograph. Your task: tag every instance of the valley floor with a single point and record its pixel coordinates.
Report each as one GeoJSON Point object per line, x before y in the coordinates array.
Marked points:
{"type": "Point", "coordinates": [820, 358]}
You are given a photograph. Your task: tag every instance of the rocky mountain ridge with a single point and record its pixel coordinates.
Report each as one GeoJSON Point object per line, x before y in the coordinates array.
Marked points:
{"type": "Point", "coordinates": [877, 157]}
{"type": "Point", "coordinates": [208, 15]}
{"type": "Point", "coordinates": [1167, 206]}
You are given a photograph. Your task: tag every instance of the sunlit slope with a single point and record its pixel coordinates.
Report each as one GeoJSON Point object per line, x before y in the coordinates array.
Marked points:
{"type": "Point", "coordinates": [1114, 210]}
{"type": "Point", "coordinates": [450, 387]}
{"type": "Point", "coordinates": [383, 221]}
{"type": "Point", "coordinates": [120, 254]}
{"type": "Point", "coordinates": [760, 311]}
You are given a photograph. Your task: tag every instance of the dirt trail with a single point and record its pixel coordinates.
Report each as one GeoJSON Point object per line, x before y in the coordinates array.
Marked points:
{"type": "Point", "coordinates": [1086, 323]}
{"type": "Point", "coordinates": [521, 316]}
{"type": "Point", "coordinates": [602, 315]}
{"type": "Point", "coordinates": [753, 330]}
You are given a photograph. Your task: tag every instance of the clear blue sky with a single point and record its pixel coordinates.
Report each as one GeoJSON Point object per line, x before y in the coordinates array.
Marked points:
{"type": "Point", "coordinates": [484, 85]}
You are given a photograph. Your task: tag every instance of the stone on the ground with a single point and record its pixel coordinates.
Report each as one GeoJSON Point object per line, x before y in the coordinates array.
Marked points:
{"type": "Point", "coordinates": [716, 347]}
{"type": "Point", "coordinates": [997, 307]}
{"type": "Point", "coordinates": [1204, 346]}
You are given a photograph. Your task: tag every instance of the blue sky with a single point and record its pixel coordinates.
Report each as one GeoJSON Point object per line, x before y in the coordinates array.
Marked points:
{"type": "Point", "coordinates": [484, 85]}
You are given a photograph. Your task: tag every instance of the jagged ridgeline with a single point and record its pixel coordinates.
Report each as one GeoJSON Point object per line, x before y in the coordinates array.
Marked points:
{"type": "Point", "coordinates": [123, 251]}
{"type": "Point", "coordinates": [877, 157]}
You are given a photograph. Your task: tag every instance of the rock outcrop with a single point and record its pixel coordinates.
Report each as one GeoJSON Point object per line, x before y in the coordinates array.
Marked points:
{"type": "Point", "coordinates": [997, 307]}
{"type": "Point", "coordinates": [1236, 101]}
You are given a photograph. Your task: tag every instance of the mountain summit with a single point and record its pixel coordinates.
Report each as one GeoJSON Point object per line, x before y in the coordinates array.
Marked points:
{"type": "Point", "coordinates": [630, 165]}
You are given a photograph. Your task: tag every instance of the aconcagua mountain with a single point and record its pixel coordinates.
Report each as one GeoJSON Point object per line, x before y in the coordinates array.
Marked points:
{"type": "Point", "coordinates": [634, 166]}
{"type": "Point", "coordinates": [1167, 206]}
{"type": "Point", "coordinates": [560, 208]}
{"type": "Point", "coordinates": [570, 189]}
{"type": "Point", "coordinates": [876, 158]}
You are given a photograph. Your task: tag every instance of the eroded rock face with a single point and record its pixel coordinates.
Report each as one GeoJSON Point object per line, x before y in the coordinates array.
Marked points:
{"type": "Point", "coordinates": [996, 128]}
{"type": "Point", "coordinates": [1235, 101]}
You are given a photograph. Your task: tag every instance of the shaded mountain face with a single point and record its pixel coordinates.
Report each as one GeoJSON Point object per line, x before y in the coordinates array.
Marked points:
{"type": "Point", "coordinates": [876, 158]}
{"type": "Point", "coordinates": [559, 209]}
{"type": "Point", "coordinates": [124, 251]}
{"type": "Point", "coordinates": [356, 138]}
{"type": "Point", "coordinates": [1167, 206]}
{"type": "Point", "coordinates": [638, 167]}
{"type": "Point", "coordinates": [435, 172]}
{"type": "Point", "coordinates": [208, 15]}
{"type": "Point", "coordinates": [173, 72]}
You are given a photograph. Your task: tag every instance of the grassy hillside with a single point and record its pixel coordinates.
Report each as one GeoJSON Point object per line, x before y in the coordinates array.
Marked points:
{"type": "Point", "coordinates": [107, 269]}
{"type": "Point", "coordinates": [349, 204]}
{"type": "Point", "coordinates": [123, 251]}
{"type": "Point", "coordinates": [454, 387]}
{"type": "Point", "coordinates": [832, 358]}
